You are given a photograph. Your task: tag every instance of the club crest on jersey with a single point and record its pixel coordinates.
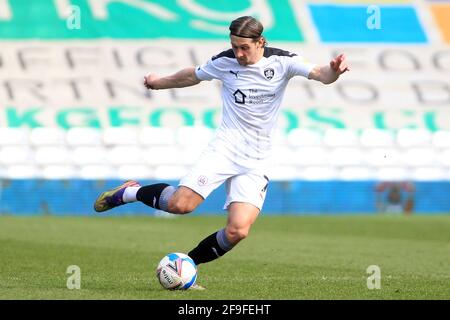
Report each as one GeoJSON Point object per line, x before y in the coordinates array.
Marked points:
{"type": "Point", "coordinates": [269, 73]}
{"type": "Point", "coordinates": [202, 180]}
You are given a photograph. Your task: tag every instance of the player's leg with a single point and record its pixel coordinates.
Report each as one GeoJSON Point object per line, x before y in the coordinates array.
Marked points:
{"type": "Point", "coordinates": [246, 194]}
{"type": "Point", "coordinates": [240, 218]}
{"type": "Point", "coordinates": [192, 189]}
{"type": "Point", "coordinates": [160, 196]}
{"type": "Point", "coordinates": [184, 200]}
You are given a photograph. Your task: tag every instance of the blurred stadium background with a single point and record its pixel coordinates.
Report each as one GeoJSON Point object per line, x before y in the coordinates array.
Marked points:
{"type": "Point", "coordinates": [76, 119]}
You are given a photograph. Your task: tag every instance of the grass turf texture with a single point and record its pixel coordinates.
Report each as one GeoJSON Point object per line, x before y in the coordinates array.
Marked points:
{"type": "Point", "coordinates": [285, 257]}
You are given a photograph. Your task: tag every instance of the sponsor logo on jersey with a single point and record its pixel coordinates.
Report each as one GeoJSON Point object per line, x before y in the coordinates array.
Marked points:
{"type": "Point", "coordinates": [239, 97]}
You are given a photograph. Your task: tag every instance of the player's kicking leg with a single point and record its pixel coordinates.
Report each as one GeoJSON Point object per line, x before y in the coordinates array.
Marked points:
{"type": "Point", "coordinates": [160, 196]}
{"type": "Point", "coordinates": [113, 198]}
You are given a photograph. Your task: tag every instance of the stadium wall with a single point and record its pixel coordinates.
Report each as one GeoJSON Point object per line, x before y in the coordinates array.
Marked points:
{"type": "Point", "coordinates": [79, 63]}
{"type": "Point", "coordinates": [76, 197]}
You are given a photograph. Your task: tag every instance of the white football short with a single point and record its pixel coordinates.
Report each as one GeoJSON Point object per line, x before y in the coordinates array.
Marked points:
{"type": "Point", "coordinates": [242, 184]}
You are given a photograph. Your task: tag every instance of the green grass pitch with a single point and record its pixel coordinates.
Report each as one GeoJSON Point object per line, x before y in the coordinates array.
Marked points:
{"type": "Point", "coordinates": [285, 257]}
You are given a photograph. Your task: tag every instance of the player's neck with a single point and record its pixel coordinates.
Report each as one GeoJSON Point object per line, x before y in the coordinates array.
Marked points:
{"type": "Point", "coordinates": [258, 57]}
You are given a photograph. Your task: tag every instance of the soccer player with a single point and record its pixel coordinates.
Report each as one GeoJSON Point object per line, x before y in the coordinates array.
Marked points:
{"type": "Point", "coordinates": [254, 78]}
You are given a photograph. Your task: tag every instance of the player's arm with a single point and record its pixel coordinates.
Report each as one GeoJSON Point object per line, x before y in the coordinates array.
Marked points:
{"type": "Point", "coordinates": [181, 79]}
{"type": "Point", "coordinates": [329, 73]}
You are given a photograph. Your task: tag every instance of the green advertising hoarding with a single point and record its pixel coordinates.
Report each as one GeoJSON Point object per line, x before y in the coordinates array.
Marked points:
{"type": "Point", "coordinates": [316, 118]}
{"type": "Point", "coordinates": [142, 19]}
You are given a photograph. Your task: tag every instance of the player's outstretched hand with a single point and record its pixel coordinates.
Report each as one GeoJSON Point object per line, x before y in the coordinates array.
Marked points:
{"type": "Point", "coordinates": [149, 81]}
{"type": "Point", "coordinates": [339, 64]}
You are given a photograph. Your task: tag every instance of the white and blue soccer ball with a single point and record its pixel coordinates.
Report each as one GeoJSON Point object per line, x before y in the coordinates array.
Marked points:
{"type": "Point", "coordinates": [176, 271]}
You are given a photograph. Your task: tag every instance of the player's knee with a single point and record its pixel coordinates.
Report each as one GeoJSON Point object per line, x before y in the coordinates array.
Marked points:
{"type": "Point", "coordinates": [236, 235]}
{"type": "Point", "coordinates": [180, 206]}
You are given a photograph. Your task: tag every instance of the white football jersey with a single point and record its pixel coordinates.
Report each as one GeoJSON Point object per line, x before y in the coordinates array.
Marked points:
{"type": "Point", "coordinates": [252, 96]}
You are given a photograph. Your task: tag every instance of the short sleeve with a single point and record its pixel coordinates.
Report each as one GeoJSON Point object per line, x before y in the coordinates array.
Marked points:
{"type": "Point", "coordinates": [208, 71]}
{"type": "Point", "coordinates": [299, 66]}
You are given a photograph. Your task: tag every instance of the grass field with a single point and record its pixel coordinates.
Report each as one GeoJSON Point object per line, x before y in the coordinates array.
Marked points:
{"type": "Point", "coordinates": [285, 257]}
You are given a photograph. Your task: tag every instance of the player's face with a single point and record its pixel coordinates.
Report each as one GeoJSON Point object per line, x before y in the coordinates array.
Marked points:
{"type": "Point", "coordinates": [247, 51]}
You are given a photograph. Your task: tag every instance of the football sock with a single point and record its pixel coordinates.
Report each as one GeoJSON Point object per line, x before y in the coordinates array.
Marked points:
{"type": "Point", "coordinates": [166, 194]}
{"type": "Point", "coordinates": [129, 195]}
{"type": "Point", "coordinates": [156, 195]}
{"type": "Point", "coordinates": [211, 248]}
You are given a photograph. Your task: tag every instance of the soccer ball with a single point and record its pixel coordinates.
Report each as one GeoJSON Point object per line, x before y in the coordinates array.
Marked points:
{"type": "Point", "coordinates": [176, 271]}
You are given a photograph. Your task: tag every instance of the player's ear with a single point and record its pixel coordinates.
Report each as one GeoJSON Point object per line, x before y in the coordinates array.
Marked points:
{"type": "Point", "coordinates": [261, 42]}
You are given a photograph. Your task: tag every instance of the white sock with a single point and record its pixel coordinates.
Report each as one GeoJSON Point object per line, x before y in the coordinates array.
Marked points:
{"type": "Point", "coordinates": [129, 195]}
